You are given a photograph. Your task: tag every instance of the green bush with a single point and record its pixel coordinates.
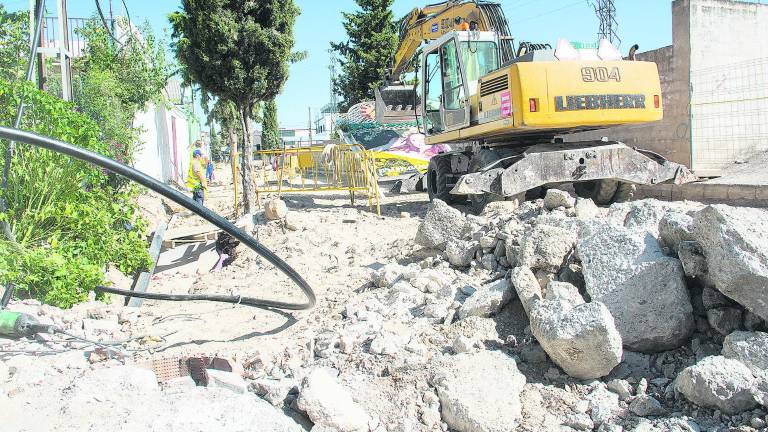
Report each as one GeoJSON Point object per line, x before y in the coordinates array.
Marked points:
{"type": "Point", "coordinates": [69, 218]}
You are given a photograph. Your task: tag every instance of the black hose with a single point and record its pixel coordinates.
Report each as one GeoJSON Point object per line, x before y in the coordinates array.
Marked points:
{"type": "Point", "coordinates": [176, 196]}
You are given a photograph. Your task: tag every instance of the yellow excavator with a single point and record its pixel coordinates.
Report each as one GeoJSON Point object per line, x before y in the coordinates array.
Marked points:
{"type": "Point", "coordinates": [506, 114]}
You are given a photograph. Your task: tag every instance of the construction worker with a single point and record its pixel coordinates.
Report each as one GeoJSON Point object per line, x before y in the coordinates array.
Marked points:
{"type": "Point", "coordinates": [209, 168]}
{"type": "Point", "coordinates": [196, 180]}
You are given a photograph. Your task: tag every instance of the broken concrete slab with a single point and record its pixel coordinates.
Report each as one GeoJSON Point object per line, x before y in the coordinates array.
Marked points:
{"type": "Point", "coordinates": [694, 262]}
{"type": "Point", "coordinates": [328, 403]}
{"type": "Point", "coordinates": [527, 287]}
{"type": "Point", "coordinates": [227, 380]}
{"type": "Point", "coordinates": [487, 300]}
{"type": "Point", "coordinates": [675, 228]}
{"type": "Point", "coordinates": [724, 320]}
{"type": "Point", "coordinates": [586, 208]}
{"type": "Point", "coordinates": [480, 392]}
{"type": "Point", "coordinates": [582, 340]}
{"type": "Point", "coordinates": [460, 253]}
{"type": "Point", "coordinates": [735, 243]}
{"type": "Point", "coordinates": [646, 406]}
{"type": "Point", "coordinates": [558, 198]}
{"type": "Point", "coordinates": [603, 405]}
{"type": "Point", "coordinates": [272, 390]}
{"type": "Point", "coordinates": [441, 224]}
{"type": "Point", "coordinates": [646, 215]}
{"type": "Point", "coordinates": [644, 290]}
{"type": "Point", "coordinates": [563, 291]}
{"type": "Point", "coordinates": [719, 383]}
{"type": "Point", "coordinates": [545, 247]}
{"type": "Point", "coordinates": [750, 348]}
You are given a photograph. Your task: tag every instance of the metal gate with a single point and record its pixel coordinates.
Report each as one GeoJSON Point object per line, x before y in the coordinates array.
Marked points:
{"type": "Point", "coordinates": [334, 167]}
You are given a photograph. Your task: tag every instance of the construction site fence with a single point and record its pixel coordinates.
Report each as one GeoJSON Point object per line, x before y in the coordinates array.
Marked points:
{"type": "Point", "coordinates": [331, 168]}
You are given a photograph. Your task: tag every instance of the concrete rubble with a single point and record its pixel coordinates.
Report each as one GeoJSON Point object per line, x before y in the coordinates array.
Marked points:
{"type": "Point", "coordinates": [718, 382]}
{"type": "Point", "coordinates": [735, 244]}
{"type": "Point", "coordinates": [552, 314]}
{"type": "Point", "coordinates": [628, 272]}
{"type": "Point", "coordinates": [480, 392]}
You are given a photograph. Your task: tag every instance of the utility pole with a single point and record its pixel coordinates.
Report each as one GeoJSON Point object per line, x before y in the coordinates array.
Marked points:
{"type": "Point", "coordinates": [33, 18]}
{"type": "Point", "coordinates": [333, 68]}
{"type": "Point", "coordinates": [111, 17]}
{"type": "Point", "coordinates": [606, 14]}
{"type": "Point", "coordinates": [61, 50]}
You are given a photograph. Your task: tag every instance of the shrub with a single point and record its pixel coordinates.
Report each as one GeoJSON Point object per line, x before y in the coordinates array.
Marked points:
{"type": "Point", "coordinates": [70, 218]}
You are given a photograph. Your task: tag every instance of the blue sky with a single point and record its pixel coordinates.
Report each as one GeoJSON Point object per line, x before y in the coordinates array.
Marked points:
{"type": "Point", "coordinates": [647, 23]}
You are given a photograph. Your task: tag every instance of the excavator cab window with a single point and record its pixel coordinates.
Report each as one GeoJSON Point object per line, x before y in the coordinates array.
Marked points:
{"type": "Point", "coordinates": [454, 96]}
{"type": "Point", "coordinates": [433, 96]}
{"type": "Point", "coordinates": [480, 59]}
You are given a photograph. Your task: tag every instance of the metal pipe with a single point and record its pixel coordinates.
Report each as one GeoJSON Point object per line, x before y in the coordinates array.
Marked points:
{"type": "Point", "coordinates": [176, 196]}
{"type": "Point", "coordinates": [19, 113]}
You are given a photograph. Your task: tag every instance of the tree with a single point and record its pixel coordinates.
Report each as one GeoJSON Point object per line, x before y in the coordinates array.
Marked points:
{"type": "Point", "coordinates": [14, 45]}
{"type": "Point", "coordinates": [270, 131]}
{"type": "Point", "coordinates": [238, 51]}
{"type": "Point", "coordinates": [366, 55]}
{"type": "Point", "coordinates": [115, 80]}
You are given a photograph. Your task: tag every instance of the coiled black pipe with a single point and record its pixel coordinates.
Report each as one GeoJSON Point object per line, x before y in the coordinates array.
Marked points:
{"type": "Point", "coordinates": [176, 196]}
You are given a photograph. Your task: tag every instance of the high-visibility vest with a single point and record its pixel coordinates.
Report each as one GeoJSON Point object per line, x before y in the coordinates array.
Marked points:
{"type": "Point", "coordinates": [193, 181]}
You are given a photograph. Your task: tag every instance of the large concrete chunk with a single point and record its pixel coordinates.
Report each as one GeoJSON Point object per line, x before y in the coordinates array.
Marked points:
{"type": "Point", "coordinates": [644, 290]}
{"type": "Point", "coordinates": [527, 287]}
{"type": "Point", "coordinates": [487, 300]}
{"type": "Point", "coordinates": [558, 198]}
{"type": "Point", "coordinates": [750, 348]}
{"type": "Point", "coordinates": [720, 383]}
{"type": "Point", "coordinates": [328, 403]}
{"type": "Point", "coordinates": [545, 247]}
{"type": "Point", "coordinates": [735, 242]}
{"type": "Point", "coordinates": [675, 228]}
{"type": "Point", "coordinates": [582, 340]}
{"type": "Point", "coordinates": [460, 253]}
{"type": "Point", "coordinates": [441, 224]}
{"type": "Point", "coordinates": [480, 392]}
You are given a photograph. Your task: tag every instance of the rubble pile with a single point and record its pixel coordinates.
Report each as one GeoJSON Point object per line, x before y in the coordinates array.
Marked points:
{"type": "Point", "coordinates": [553, 314]}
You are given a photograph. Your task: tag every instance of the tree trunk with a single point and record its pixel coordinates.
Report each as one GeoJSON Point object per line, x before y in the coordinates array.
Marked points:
{"type": "Point", "coordinates": [246, 157]}
{"type": "Point", "coordinates": [232, 140]}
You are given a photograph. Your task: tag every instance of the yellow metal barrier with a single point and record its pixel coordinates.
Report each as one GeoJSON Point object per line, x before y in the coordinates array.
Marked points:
{"type": "Point", "coordinates": [335, 167]}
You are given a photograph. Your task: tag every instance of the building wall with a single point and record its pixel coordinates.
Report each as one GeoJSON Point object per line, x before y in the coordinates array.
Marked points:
{"type": "Point", "coordinates": [729, 82]}
{"type": "Point", "coordinates": [714, 81]}
{"type": "Point", "coordinates": [158, 157]}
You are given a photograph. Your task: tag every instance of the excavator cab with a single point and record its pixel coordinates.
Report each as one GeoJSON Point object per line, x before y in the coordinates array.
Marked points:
{"type": "Point", "coordinates": [451, 69]}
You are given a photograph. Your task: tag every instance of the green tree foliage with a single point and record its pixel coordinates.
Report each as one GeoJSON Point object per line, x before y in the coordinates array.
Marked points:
{"type": "Point", "coordinates": [14, 44]}
{"type": "Point", "coordinates": [68, 218]}
{"type": "Point", "coordinates": [239, 52]}
{"type": "Point", "coordinates": [367, 53]}
{"type": "Point", "coordinates": [270, 131]}
{"type": "Point", "coordinates": [114, 80]}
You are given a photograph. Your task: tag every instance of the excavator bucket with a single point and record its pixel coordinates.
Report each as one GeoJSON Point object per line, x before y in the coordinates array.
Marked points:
{"type": "Point", "coordinates": [397, 104]}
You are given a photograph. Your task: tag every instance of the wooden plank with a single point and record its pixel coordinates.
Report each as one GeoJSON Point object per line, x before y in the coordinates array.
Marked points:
{"type": "Point", "coordinates": [183, 232]}
{"type": "Point", "coordinates": [142, 280]}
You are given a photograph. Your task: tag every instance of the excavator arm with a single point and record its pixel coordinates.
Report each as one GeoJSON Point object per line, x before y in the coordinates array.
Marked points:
{"type": "Point", "coordinates": [433, 21]}
{"type": "Point", "coordinates": [396, 102]}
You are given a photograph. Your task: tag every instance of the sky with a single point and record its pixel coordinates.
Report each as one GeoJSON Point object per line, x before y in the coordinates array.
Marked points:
{"type": "Point", "coordinates": [647, 23]}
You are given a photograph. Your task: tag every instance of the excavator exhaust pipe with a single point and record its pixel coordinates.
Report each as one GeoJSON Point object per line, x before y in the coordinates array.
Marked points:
{"type": "Point", "coordinates": [397, 104]}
